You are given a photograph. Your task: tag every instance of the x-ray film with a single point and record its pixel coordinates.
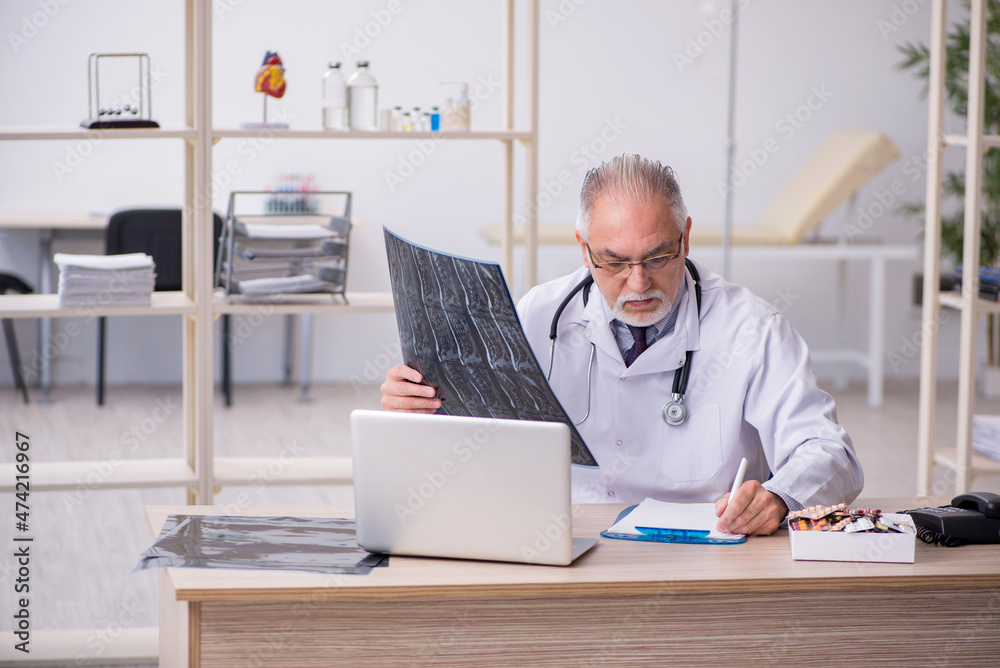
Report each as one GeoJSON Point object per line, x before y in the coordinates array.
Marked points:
{"type": "Point", "coordinates": [320, 545]}
{"type": "Point", "coordinates": [459, 329]}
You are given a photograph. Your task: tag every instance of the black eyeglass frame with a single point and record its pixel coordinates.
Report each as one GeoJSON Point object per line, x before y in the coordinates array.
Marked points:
{"type": "Point", "coordinates": [615, 268]}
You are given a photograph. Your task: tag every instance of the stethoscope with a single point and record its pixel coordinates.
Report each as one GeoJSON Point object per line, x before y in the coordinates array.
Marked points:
{"type": "Point", "coordinates": [675, 411]}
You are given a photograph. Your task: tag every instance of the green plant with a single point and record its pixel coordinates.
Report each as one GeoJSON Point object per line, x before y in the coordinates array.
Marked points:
{"type": "Point", "coordinates": [916, 59]}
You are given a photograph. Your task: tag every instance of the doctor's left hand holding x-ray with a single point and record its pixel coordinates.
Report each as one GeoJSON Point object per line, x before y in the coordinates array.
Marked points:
{"type": "Point", "coordinates": [673, 374]}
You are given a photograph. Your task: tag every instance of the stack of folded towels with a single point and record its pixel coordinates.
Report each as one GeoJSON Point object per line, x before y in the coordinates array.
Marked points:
{"type": "Point", "coordinates": [105, 280]}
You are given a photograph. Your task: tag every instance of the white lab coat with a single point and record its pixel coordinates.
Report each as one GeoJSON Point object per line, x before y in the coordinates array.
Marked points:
{"type": "Point", "coordinates": [751, 393]}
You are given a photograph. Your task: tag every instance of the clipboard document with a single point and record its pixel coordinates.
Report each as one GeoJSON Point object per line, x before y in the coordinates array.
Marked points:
{"type": "Point", "coordinates": [665, 522]}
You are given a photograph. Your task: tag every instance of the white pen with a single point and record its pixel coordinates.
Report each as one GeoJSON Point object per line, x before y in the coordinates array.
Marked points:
{"type": "Point", "coordinates": [739, 478]}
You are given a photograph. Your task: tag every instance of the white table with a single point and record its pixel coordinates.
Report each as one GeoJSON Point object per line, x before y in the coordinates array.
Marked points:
{"type": "Point", "coordinates": [875, 254]}
{"type": "Point", "coordinates": [49, 226]}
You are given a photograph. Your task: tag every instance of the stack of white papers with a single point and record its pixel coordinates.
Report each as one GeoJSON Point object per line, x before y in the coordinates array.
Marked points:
{"type": "Point", "coordinates": [678, 517]}
{"type": "Point", "coordinates": [986, 435]}
{"type": "Point", "coordinates": [284, 231]}
{"type": "Point", "coordinates": [301, 283]}
{"type": "Point", "coordinates": [105, 280]}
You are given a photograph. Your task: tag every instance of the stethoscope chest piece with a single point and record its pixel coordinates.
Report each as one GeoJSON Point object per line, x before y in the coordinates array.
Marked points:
{"type": "Point", "coordinates": [675, 412]}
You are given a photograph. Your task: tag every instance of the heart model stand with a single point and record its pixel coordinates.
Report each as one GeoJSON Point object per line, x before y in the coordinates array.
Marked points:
{"type": "Point", "coordinates": [270, 81]}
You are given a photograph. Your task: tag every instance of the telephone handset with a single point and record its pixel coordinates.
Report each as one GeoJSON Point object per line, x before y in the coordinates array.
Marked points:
{"type": "Point", "coordinates": [971, 518]}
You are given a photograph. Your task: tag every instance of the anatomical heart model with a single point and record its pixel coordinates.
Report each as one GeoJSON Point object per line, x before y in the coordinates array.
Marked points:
{"type": "Point", "coordinates": [270, 80]}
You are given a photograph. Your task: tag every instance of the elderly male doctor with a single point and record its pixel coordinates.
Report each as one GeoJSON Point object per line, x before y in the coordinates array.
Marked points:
{"type": "Point", "coordinates": [751, 390]}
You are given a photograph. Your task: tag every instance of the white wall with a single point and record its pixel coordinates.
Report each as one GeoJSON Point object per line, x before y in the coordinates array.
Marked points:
{"type": "Point", "coordinates": [613, 80]}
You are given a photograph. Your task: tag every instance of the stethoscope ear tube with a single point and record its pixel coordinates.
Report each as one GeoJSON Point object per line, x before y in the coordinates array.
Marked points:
{"type": "Point", "coordinates": [675, 412]}
{"type": "Point", "coordinates": [582, 285]}
{"type": "Point", "coordinates": [585, 283]}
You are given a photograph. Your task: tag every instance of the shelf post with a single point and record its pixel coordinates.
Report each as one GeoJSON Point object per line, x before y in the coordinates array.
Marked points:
{"type": "Point", "coordinates": [507, 232]}
{"type": "Point", "coordinates": [970, 248]}
{"type": "Point", "coordinates": [198, 352]}
{"type": "Point", "coordinates": [932, 250]}
{"type": "Point", "coordinates": [531, 157]}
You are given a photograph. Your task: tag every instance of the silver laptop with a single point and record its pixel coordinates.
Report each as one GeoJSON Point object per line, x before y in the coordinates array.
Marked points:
{"type": "Point", "coordinates": [469, 488]}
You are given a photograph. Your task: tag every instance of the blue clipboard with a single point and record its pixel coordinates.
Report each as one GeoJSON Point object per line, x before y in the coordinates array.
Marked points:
{"type": "Point", "coordinates": [656, 535]}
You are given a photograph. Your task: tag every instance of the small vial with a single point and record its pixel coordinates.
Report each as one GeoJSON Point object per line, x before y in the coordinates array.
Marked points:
{"type": "Point", "coordinates": [415, 115]}
{"type": "Point", "coordinates": [435, 119]}
{"type": "Point", "coordinates": [397, 119]}
{"type": "Point", "coordinates": [407, 122]}
{"type": "Point", "coordinates": [448, 119]}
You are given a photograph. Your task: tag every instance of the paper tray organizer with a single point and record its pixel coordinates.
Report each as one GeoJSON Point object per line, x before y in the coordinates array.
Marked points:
{"type": "Point", "coordinates": [266, 254]}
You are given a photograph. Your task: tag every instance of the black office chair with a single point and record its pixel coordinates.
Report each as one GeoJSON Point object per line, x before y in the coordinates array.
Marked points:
{"type": "Point", "coordinates": [11, 283]}
{"type": "Point", "coordinates": [156, 232]}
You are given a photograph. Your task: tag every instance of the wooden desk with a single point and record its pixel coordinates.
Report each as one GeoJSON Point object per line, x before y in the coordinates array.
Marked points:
{"type": "Point", "coordinates": [624, 603]}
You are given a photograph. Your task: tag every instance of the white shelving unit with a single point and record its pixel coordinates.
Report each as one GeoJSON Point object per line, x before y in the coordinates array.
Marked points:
{"type": "Point", "coordinates": [199, 302]}
{"type": "Point", "coordinates": [960, 459]}
{"type": "Point", "coordinates": [291, 133]}
{"type": "Point", "coordinates": [213, 472]}
{"type": "Point", "coordinates": [197, 469]}
{"type": "Point", "coordinates": [35, 132]}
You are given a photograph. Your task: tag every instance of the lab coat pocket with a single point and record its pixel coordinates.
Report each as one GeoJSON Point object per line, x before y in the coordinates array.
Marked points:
{"type": "Point", "coordinates": [692, 451]}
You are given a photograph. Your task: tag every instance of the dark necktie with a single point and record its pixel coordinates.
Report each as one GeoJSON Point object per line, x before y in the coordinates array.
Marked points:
{"type": "Point", "coordinates": [639, 336]}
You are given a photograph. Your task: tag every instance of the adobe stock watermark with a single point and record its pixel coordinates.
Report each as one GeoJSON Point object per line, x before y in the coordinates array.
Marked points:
{"type": "Point", "coordinates": [425, 148]}
{"type": "Point", "coordinates": [78, 152]}
{"type": "Point", "coordinates": [265, 476]}
{"type": "Point", "coordinates": [263, 649]}
{"type": "Point", "coordinates": [250, 324]}
{"type": "Point", "coordinates": [370, 31]}
{"type": "Point", "coordinates": [376, 368]}
{"type": "Point", "coordinates": [129, 441]}
{"type": "Point", "coordinates": [363, 36]}
{"type": "Point", "coordinates": [785, 127]}
{"type": "Point", "coordinates": [57, 343]}
{"type": "Point", "coordinates": [595, 486]}
{"type": "Point", "coordinates": [436, 478]}
{"type": "Point", "coordinates": [714, 28]}
{"type": "Point", "coordinates": [32, 25]}
{"type": "Point", "coordinates": [650, 609]}
{"type": "Point", "coordinates": [99, 641]}
{"type": "Point", "coordinates": [909, 346]}
{"type": "Point", "coordinates": [583, 158]}
{"type": "Point", "coordinates": [563, 11]}
{"type": "Point", "coordinates": [914, 169]}
{"type": "Point", "coordinates": [747, 340]}
{"type": "Point", "coordinates": [248, 150]}
{"type": "Point", "coordinates": [900, 14]}
{"type": "Point", "coordinates": [560, 526]}
{"type": "Point", "coordinates": [447, 638]}
{"type": "Point", "coordinates": [976, 623]}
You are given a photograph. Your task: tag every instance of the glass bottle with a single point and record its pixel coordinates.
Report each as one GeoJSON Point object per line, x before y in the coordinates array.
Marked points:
{"type": "Point", "coordinates": [334, 99]}
{"type": "Point", "coordinates": [362, 96]}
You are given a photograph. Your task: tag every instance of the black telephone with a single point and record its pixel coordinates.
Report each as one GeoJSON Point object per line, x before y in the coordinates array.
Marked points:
{"type": "Point", "coordinates": [971, 518]}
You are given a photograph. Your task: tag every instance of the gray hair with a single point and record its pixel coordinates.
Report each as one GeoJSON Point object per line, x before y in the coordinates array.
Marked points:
{"type": "Point", "coordinates": [633, 179]}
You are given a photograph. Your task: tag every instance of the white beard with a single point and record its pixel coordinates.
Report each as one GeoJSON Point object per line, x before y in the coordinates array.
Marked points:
{"type": "Point", "coordinates": [641, 319]}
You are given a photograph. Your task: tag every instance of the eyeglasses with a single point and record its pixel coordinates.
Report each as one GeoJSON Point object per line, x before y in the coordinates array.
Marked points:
{"type": "Point", "coordinates": [650, 264]}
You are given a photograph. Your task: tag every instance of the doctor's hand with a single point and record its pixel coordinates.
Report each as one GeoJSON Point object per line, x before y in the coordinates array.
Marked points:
{"type": "Point", "coordinates": [403, 391]}
{"type": "Point", "coordinates": [753, 510]}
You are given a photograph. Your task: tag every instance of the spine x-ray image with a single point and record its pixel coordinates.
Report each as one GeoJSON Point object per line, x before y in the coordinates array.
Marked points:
{"type": "Point", "coordinates": [459, 329]}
